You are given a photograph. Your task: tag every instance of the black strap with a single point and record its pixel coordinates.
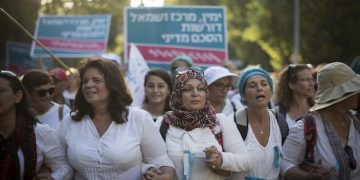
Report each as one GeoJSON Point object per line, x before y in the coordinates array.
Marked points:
{"type": "Point", "coordinates": [243, 130]}
{"type": "Point", "coordinates": [163, 129]}
{"type": "Point", "coordinates": [61, 109]}
{"type": "Point", "coordinates": [234, 110]}
{"type": "Point", "coordinates": [283, 126]}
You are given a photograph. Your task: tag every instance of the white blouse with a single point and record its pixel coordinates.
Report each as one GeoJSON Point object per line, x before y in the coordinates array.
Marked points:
{"type": "Point", "coordinates": [184, 145]}
{"type": "Point", "coordinates": [295, 145]}
{"type": "Point", "coordinates": [264, 164]}
{"type": "Point", "coordinates": [119, 153]}
{"type": "Point", "coordinates": [50, 153]}
{"type": "Point", "coordinates": [51, 117]}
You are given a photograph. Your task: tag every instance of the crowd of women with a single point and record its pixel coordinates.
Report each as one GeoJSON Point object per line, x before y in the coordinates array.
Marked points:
{"type": "Point", "coordinates": [192, 124]}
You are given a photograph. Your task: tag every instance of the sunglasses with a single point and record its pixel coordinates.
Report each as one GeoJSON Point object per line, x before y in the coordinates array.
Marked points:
{"type": "Point", "coordinates": [351, 159]}
{"type": "Point", "coordinates": [183, 70]}
{"type": "Point", "coordinates": [222, 86]}
{"type": "Point", "coordinates": [43, 92]}
{"type": "Point", "coordinates": [288, 73]}
{"type": "Point", "coordinates": [8, 73]}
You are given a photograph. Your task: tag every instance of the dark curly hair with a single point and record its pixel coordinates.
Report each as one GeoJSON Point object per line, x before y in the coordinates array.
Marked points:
{"type": "Point", "coordinates": [164, 76]}
{"type": "Point", "coordinates": [119, 94]}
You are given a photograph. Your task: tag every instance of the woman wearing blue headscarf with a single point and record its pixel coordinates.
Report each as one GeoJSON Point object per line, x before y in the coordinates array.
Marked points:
{"type": "Point", "coordinates": [258, 125]}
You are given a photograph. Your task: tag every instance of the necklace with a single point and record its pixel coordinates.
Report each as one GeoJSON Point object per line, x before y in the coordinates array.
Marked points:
{"type": "Point", "coordinates": [261, 131]}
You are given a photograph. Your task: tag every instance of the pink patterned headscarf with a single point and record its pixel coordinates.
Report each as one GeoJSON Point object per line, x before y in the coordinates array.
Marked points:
{"type": "Point", "coordinates": [183, 118]}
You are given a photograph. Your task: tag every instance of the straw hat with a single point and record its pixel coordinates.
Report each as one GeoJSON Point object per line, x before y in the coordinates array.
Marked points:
{"type": "Point", "coordinates": [336, 82]}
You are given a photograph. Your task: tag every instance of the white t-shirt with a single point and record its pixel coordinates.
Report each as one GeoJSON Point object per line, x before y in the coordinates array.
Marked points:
{"type": "Point", "coordinates": [69, 97]}
{"type": "Point", "coordinates": [51, 117]}
{"type": "Point", "coordinates": [290, 122]}
{"type": "Point", "coordinates": [295, 145]}
{"type": "Point", "coordinates": [119, 153]}
{"type": "Point", "coordinates": [264, 167]}
{"type": "Point", "coordinates": [50, 153]}
{"type": "Point", "coordinates": [179, 141]}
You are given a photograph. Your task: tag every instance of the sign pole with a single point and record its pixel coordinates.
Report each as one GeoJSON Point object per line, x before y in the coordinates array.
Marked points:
{"type": "Point", "coordinates": [33, 38]}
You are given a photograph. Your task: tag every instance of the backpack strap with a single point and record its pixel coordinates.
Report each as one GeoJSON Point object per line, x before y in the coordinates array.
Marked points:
{"type": "Point", "coordinates": [163, 129]}
{"type": "Point", "coordinates": [61, 109]}
{"type": "Point", "coordinates": [310, 136]}
{"type": "Point", "coordinates": [241, 121]}
{"type": "Point", "coordinates": [234, 110]}
{"type": "Point", "coordinates": [281, 120]}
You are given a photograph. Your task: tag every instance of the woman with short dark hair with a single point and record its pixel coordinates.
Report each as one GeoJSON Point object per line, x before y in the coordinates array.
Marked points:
{"type": "Point", "coordinates": [25, 144]}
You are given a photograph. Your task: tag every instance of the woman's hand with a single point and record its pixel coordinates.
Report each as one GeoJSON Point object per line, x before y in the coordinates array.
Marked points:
{"type": "Point", "coordinates": [316, 170]}
{"type": "Point", "coordinates": [214, 161]}
{"type": "Point", "coordinates": [308, 170]}
{"type": "Point", "coordinates": [44, 173]}
{"type": "Point", "coordinates": [213, 157]}
{"type": "Point", "coordinates": [164, 173]}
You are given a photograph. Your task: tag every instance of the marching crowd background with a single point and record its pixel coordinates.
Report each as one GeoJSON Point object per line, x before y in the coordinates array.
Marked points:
{"type": "Point", "coordinates": [213, 123]}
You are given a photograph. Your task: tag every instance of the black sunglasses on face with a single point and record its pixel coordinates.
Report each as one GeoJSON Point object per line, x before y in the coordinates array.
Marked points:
{"type": "Point", "coordinates": [43, 92]}
{"type": "Point", "coordinates": [183, 70]}
{"type": "Point", "coordinates": [351, 159]}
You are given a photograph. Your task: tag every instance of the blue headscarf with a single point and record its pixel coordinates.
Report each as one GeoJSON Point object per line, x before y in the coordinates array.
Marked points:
{"type": "Point", "coordinates": [249, 72]}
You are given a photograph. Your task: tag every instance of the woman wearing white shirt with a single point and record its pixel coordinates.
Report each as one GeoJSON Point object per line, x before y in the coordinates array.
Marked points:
{"type": "Point", "coordinates": [295, 92]}
{"type": "Point", "coordinates": [337, 147]}
{"type": "Point", "coordinates": [195, 137]}
{"type": "Point", "coordinates": [104, 137]}
{"type": "Point", "coordinates": [158, 87]}
{"type": "Point", "coordinates": [26, 145]}
{"type": "Point", "coordinates": [263, 133]}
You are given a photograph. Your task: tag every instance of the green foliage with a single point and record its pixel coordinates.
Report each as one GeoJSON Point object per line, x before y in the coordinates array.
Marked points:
{"type": "Point", "coordinates": [26, 13]}
{"type": "Point", "coordinates": [81, 7]}
{"type": "Point", "coordinates": [259, 31]}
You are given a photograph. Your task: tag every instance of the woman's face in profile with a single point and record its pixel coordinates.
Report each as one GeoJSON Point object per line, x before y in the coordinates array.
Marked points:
{"type": "Point", "coordinates": [193, 95]}
{"type": "Point", "coordinates": [8, 98]}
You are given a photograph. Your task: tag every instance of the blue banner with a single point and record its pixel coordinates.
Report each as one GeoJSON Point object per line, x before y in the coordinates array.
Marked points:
{"type": "Point", "coordinates": [19, 61]}
{"type": "Point", "coordinates": [161, 33]}
{"type": "Point", "coordinates": [72, 36]}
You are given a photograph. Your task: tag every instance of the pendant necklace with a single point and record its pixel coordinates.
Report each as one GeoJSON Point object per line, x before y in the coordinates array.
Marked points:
{"type": "Point", "coordinates": [261, 131]}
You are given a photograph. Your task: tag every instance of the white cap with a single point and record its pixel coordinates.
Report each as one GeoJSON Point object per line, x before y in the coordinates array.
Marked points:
{"type": "Point", "coordinates": [113, 57]}
{"type": "Point", "coordinates": [217, 72]}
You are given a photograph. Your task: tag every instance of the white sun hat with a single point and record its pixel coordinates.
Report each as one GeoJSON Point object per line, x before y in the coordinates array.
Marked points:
{"type": "Point", "coordinates": [217, 72]}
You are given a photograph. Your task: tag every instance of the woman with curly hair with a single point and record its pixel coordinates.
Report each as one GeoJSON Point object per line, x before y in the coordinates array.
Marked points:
{"type": "Point", "coordinates": [104, 137]}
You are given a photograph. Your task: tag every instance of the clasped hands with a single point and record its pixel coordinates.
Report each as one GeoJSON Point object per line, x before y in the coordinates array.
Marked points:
{"type": "Point", "coordinates": [213, 157]}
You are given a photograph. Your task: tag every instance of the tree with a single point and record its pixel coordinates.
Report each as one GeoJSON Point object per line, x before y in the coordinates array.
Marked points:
{"type": "Point", "coordinates": [26, 13]}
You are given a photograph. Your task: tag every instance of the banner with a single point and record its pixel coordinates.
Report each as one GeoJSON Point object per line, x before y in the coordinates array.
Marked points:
{"type": "Point", "coordinates": [136, 75]}
{"type": "Point", "coordinates": [162, 33]}
{"type": "Point", "coordinates": [72, 36]}
{"type": "Point", "coordinates": [19, 61]}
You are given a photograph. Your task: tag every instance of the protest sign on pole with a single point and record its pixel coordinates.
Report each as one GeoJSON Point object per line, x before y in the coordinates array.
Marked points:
{"type": "Point", "coordinates": [72, 36]}
{"type": "Point", "coordinates": [162, 33]}
{"type": "Point", "coordinates": [19, 61]}
{"type": "Point", "coordinates": [136, 75]}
